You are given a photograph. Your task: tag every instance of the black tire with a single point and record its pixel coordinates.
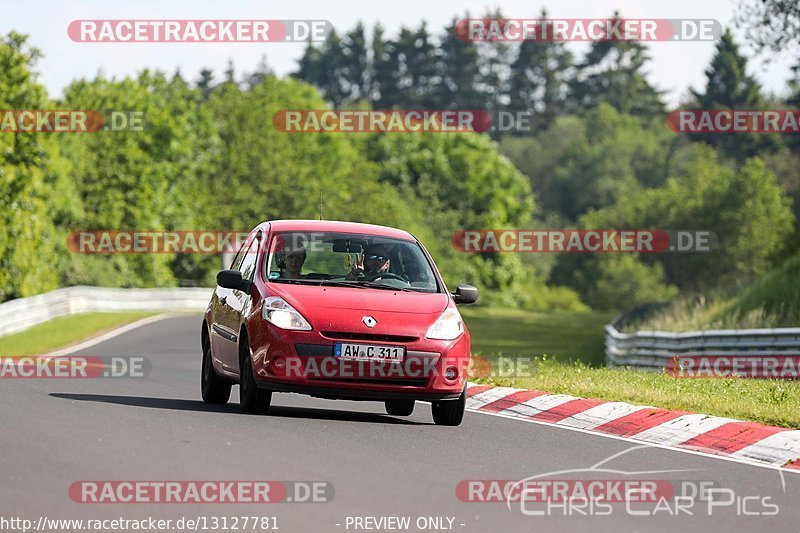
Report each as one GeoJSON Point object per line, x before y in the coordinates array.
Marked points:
{"type": "Point", "coordinates": [400, 407]}
{"type": "Point", "coordinates": [213, 388]}
{"type": "Point", "coordinates": [449, 412]}
{"type": "Point", "coordinates": [251, 399]}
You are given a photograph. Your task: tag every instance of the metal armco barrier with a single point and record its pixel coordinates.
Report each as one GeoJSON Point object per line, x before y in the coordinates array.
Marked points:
{"type": "Point", "coordinates": [20, 314]}
{"type": "Point", "coordinates": [654, 349]}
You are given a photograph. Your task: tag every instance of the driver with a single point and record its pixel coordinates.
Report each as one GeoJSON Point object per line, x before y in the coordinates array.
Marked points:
{"type": "Point", "coordinates": [374, 263]}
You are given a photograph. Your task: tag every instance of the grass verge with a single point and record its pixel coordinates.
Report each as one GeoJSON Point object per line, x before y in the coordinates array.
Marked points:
{"type": "Point", "coordinates": [64, 331]}
{"type": "Point", "coordinates": [574, 344]}
{"type": "Point", "coordinates": [771, 402]}
{"type": "Point", "coordinates": [564, 335]}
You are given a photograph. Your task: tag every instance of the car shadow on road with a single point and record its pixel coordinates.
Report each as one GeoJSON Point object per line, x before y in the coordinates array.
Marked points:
{"type": "Point", "coordinates": [174, 404]}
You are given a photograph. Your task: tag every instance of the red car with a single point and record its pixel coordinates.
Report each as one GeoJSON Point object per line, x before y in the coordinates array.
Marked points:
{"type": "Point", "coordinates": [336, 310]}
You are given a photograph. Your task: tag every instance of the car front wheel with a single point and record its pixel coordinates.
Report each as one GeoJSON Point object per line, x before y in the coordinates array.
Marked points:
{"type": "Point", "coordinates": [251, 398]}
{"type": "Point", "coordinates": [449, 412]}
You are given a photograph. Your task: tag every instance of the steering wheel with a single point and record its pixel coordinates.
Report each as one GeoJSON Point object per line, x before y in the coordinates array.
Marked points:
{"type": "Point", "coordinates": [389, 275]}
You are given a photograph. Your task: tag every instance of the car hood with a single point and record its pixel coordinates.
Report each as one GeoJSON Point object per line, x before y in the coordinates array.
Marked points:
{"type": "Point", "coordinates": [396, 312]}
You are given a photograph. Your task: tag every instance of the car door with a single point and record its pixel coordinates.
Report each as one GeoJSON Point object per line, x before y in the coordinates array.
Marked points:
{"type": "Point", "coordinates": [237, 303]}
{"type": "Point", "coordinates": [221, 333]}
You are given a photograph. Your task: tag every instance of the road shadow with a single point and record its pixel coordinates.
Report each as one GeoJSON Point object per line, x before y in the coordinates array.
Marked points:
{"type": "Point", "coordinates": [174, 404]}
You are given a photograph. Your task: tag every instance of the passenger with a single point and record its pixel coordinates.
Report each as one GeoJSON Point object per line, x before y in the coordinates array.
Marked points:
{"type": "Point", "coordinates": [293, 262]}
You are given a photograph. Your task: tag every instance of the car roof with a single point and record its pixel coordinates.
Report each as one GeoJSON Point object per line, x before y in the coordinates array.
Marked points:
{"type": "Point", "coordinates": [337, 226]}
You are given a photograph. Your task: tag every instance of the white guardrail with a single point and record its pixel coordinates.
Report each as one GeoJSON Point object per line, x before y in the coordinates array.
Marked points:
{"type": "Point", "coordinates": [655, 349]}
{"type": "Point", "coordinates": [20, 314]}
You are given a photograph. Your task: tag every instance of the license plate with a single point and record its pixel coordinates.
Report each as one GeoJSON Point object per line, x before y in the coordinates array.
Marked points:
{"type": "Point", "coordinates": [369, 352]}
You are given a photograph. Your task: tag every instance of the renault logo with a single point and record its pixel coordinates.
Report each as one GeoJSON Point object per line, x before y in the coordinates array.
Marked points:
{"type": "Point", "coordinates": [369, 321]}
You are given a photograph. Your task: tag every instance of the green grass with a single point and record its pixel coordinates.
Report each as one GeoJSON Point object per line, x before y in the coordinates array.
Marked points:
{"type": "Point", "coordinates": [770, 402]}
{"type": "Point", "coordinates": [772, 301]}
{"type": "Point", "coordinates": [574, 344]}
{"type": "Point", "coordinates": [565, 335]}
{"type": "Point", "coordinates": [64, 331]}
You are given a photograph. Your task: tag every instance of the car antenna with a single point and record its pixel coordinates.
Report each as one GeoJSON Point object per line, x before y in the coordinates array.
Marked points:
{"type": "Point", "coordinates": [320, 203]}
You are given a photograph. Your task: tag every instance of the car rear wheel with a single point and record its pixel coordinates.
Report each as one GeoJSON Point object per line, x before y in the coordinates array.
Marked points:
{"type": "Point", "coordinates": [251, 398]}
{"type": "Point", "coordinates": [449, 412]}
{"type": "Point", "coordinates": [214, 389]}
{"type": "Point", "coordinates": [400, 407]}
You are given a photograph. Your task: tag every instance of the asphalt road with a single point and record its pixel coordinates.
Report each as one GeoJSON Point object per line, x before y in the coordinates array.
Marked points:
{"type": "Point", "coordinates": [55, 432]}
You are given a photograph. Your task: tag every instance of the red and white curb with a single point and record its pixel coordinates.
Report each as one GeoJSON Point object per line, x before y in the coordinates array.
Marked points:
{"type": "Point", "coordinates": [744, 441]}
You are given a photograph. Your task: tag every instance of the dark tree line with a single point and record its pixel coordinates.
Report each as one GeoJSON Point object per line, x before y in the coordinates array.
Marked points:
{"type": "Point", "coordinates": [419, 69]}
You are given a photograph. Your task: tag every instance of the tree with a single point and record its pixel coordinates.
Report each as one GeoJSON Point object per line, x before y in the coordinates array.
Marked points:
{"type": "Point", "coordinates": [584, 163]}
{"type": "Point", "coordinates": [30, 191]}
{"type": "Point", "coordinates": [793, 141]}
{"type": "Point", "coordinates": [458, 72]}
{"type": "Point", "coordinates": [460, 182]}
{"type": "Point", "coordinates": [332, 65]}
{"type": "Point", "coordinates": [494, 61]}
{"type": "Point", "coordinates": [386, 93]}
{"type": "Point", "coordinates": [415, 57]}
{"type": "Point", "coordinates": [613, 71]}
{"type": "Point", "coordinates": [538, 78]}
{"type": "Point", "coordinates": [259, 74]}
{"type": "Point", "coordinates": [745, 208]}
{"type": "Point", "coordinates": [206, 82]}
{"type": "Point", "coordinates": [309, 67]}
{"type": "Point", "coordinates": [137, 180]}
{"type": "Point", "coordinates": [770, 24]}
{"type": "Point", "coordinates": [356, 68]}
{"type": "Point", "coordinates": [230, 73]}
{"type": "Point", "coordinates": [728, 86]}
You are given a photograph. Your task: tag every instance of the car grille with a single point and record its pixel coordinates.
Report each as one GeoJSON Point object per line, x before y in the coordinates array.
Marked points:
{"type": "Point", "coordinates": [346, 336]}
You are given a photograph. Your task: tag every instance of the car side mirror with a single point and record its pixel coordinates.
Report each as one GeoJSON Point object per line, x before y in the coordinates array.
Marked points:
{"type": "Point", "coordinates": [232, 279]}
{"type": "Point", "coordinates": [465, 294]}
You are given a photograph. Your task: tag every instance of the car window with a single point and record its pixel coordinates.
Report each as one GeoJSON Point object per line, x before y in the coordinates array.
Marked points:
{"type": "Point", "coordinates": [237, 259]}
{"type": "Point", "coordinates": [360, 259]}
{"type": "Point", "coordinates": [248, 260]}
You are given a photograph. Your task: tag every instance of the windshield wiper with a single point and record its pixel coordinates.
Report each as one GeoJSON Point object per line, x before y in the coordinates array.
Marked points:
{"type": "Point", "coordinates": [336, 283]}
{"type": "Point", "coordinates": [375, 285]}
{"type": "Point", "coordinates": [364, 284]}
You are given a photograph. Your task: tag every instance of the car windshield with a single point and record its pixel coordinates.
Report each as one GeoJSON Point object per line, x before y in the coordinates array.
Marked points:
{"type": "Point", "coordinates": [349, 260]}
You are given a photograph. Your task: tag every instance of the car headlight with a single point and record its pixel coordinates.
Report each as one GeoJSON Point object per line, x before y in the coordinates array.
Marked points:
{"type": "Point", "coordinates": [277, 312]}
{"type": "Point", "coordinates": [447, 327]}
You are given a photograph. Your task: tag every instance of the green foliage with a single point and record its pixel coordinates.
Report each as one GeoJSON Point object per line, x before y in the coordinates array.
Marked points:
{"type": "Point", "coordinates": [459, 182]}
{"type": "Point", "coordinates": [584, 163]}
{"type": "Point", "coordinates": [137, 180]}
{"type": "Point", "coordinates": [777, 294]}
{"type": "Point", "coordinates": [613, 71]}
{"type": "Point", "coordinates": [728, 86]}
{"type": "Point", "coordinates": [744, 207]}
{"type": "Point", "coordinates": [771, 25]}
{"type": "Point", "coordinates": [538, 78]}
{"type": "Point", "coordinates": [28, 186]}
